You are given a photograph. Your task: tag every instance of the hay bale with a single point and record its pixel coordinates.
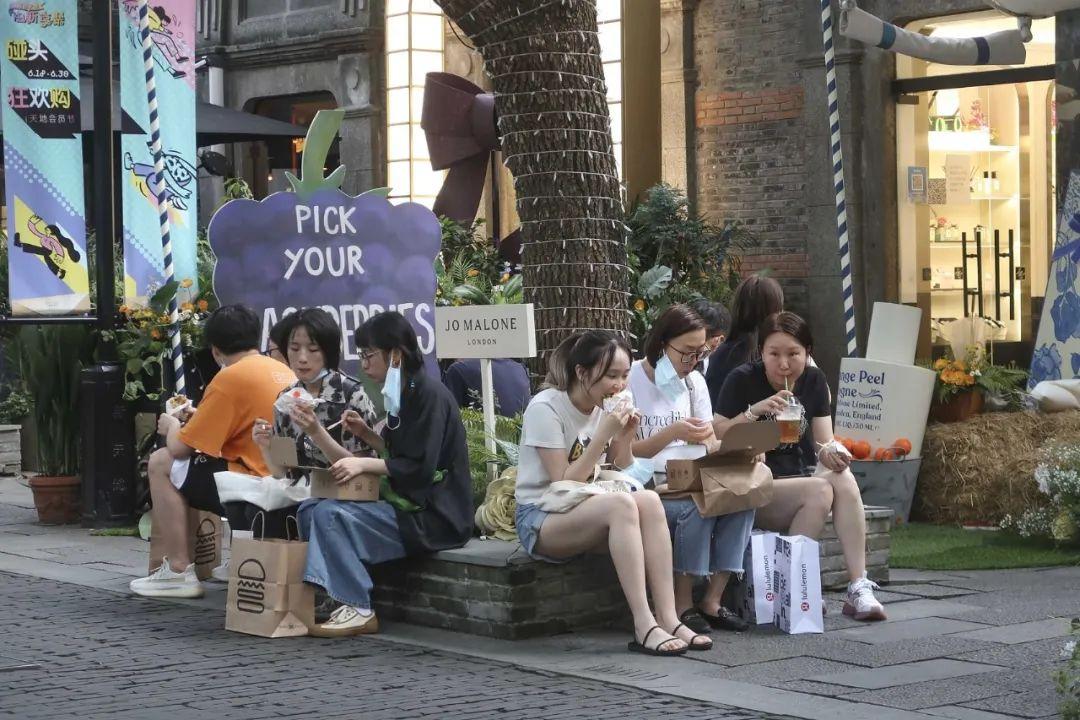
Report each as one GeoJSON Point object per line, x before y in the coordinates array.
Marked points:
{"type": "Point", "coordinates": [982, 469]}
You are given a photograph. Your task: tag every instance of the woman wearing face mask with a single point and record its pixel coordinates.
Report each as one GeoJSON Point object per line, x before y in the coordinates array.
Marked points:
{"type": "Point", "coordinates": [426, 498]}
{"type": "Point", "coordinates": [676, 422]}
{"type": "Point", "coordinates": [811, 475]}
{"type": "Point", "coordinates": [564, 435]}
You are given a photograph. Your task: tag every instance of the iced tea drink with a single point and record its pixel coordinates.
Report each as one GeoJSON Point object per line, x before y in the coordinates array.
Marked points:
{"type": "Point", "coordinates": [790, 422]}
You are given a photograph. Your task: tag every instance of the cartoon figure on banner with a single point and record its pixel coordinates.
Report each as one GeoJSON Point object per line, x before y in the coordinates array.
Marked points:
{"type": "Point", "coordinates": [53, 246]}
{"type": "Point", "coordinates": [179, 179]}
{"type": "Point", "coordinates": [172, 50]}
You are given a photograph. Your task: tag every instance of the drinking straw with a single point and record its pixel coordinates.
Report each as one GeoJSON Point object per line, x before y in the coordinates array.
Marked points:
{"type": "Point", "coordinates": [159, 194]}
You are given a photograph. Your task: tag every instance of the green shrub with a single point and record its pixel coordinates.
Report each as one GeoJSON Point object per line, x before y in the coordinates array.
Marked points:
{"type": "Point", "coordinates": [507, 437]}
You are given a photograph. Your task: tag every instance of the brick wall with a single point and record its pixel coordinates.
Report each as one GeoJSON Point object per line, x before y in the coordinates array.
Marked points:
{"type": "Point", "coordinates": [749, 131]}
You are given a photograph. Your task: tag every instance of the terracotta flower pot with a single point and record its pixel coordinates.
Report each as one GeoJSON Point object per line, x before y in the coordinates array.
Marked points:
{"type": "Point", "coordinates": [57, 499]}
{"type": "Point", "coordinates": [959, 407]}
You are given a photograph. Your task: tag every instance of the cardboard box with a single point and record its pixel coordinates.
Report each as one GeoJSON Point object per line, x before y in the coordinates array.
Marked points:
{"type": "Point", "coordinates": [728, 480]}
{"type": "Point", "coordinates": [364, 488]}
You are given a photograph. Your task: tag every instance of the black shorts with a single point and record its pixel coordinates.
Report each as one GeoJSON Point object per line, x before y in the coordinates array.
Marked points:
{"type": "Point", "coordinates": [200, 488]}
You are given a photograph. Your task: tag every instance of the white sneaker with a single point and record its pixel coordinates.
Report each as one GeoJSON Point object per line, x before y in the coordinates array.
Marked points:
{"type": "Point", "coordinates": [221, 572]}
{"type": "Point", "coordinates": [861, 603]}
{"type": "Point", "coordinates": [163, 582]}
{"type": "Point", "coordinates": [347, 620]}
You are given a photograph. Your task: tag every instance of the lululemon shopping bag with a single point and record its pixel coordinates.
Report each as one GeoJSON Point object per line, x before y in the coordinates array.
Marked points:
{"type": "Point", "coordinates": [756, 603]}
{"type": "Point", "coordinates": [204, 543]}
{"type": "Point", "coordinates": [267, 595]}
{"type": "Point", "coordinates": [797, 586]}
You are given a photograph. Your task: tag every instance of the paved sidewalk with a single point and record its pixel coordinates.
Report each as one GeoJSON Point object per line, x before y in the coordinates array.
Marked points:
{"type": "Point", "coordinates": [965, 645]}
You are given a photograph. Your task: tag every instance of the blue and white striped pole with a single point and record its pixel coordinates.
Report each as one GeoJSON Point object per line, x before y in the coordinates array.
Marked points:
{"type": "Point", "coordinates": [159, 193]}
{"type": "Point", "coordinates": [838, 178]}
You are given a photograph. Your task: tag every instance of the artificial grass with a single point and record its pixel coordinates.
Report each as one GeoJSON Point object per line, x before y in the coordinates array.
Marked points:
{"type": "Point", "coordinates": [947, 547]}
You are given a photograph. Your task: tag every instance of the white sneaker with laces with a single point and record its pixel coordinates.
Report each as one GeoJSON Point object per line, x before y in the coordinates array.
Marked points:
{"type": "Point", "coordinates": [221, 572]}
{"type": "Point", "coordinates": [347, 620]}
{"type": "Point", "coordinates": [163, 582]}
{"type": "Point", "coordinates": [861, 603]}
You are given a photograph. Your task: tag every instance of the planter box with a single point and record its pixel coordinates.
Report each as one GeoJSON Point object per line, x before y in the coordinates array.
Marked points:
{"type": "Point", "coordinates": [10, 450]}
{"type": "Point", "coordinates": [889, 484]}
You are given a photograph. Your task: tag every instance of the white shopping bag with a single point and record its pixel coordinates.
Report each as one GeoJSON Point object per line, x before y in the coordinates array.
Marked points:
{"type": "Point", "coordinates": [756, 604]}
{"type": "Point", "coordinates": [797, 585]}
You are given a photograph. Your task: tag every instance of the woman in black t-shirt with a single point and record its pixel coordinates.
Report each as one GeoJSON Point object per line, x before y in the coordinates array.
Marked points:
{"type": "Point", "coordinates": [756, 298]}
{"type": "Point", "coordinates": [811, 476]}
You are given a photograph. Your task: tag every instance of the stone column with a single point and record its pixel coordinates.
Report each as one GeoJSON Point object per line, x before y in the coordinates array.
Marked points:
{"type": "Point", "coordinates": [678, 83]}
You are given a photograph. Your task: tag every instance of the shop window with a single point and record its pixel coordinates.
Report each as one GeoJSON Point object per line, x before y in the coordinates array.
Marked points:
{"type": "Point", "coordinates": [271, 158]}
{"type": "Point", "coordinates": [609, 22]}
{"type": "Point", "coordinates": [975, 180]}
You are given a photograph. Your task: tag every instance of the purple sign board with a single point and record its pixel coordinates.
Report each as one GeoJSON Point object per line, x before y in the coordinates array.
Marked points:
{"type": "Point", "coordinates": [353, 256]}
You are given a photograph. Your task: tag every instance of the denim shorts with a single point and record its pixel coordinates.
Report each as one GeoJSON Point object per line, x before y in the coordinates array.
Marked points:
{"type": "Point", "coordinates": [528, 519]}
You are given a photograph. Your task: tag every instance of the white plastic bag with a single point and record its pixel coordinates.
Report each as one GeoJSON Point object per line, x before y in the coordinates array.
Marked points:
{"type": "Point", "coordinates": [268, 493]}
{"type": "Point", "coordinates": [797, 584]}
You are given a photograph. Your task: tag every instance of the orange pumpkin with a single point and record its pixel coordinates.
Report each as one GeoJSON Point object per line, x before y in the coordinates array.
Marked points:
{"type": "Point", "coordinates": [860, 449]}
{"type": "Point", "coordinates": [883, 454]}
{"type": "Point", "coordinates": [848, 444]}
{"type": "Point", "coordinates": [902, 447]}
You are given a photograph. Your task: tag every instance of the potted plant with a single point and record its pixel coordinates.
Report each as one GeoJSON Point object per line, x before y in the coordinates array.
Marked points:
{"type": "Point", "coordinates": [962, 386]}
{"type": "Point", "coordinates": [50, 358]}
{"type": "Point", "coordinates": [15, 405]}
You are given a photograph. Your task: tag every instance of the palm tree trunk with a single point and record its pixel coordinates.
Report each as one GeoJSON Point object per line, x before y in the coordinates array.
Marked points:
{"type": "Point", "coordinates": [543, 57]}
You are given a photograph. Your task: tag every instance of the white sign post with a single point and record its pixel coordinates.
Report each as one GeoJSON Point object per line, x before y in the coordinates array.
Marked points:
{"type": "Point", "coordinates": [485, 332]}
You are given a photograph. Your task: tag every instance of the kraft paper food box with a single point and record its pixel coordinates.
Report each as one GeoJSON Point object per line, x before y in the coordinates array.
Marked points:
{"type": "Point", "coordinates": [364, 488]}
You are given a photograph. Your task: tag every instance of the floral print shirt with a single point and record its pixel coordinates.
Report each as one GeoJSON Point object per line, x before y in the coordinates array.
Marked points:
{"type": "Point", "coordinates": [339, 393]}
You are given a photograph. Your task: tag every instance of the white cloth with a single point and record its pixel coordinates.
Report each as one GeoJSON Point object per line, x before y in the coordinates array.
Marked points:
{"type": "Point", "coordinates": [550, 421]}
{"type": "Point", "coordinates": [1057, 395]}
{"type": "Point", "coordinates": [178, 472]}
{"type": "Point", "coordinates": [268, 493]}
{"type": "Point", "coordinates": [658, 413]}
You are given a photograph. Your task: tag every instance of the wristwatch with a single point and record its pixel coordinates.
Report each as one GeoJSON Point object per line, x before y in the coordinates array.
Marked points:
{"type": "Point", "coordinates": [749, 413]}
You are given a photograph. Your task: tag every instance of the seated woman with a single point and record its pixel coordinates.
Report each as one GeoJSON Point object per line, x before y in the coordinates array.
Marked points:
{"type": "Point", "coordinates": [426, 498]}
{"type": "Point", "coordinates": [564, 435]}
{"type": "Point", "coordinates": [312, 347]}
{"type": "Point", "coordinates": [811, 475]}
{"type": "Point", "coordinates": [676, 422]}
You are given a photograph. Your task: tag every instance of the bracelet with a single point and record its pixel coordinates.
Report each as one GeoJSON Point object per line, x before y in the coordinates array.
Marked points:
{"type": "Point", "coordinates": [749, 413]}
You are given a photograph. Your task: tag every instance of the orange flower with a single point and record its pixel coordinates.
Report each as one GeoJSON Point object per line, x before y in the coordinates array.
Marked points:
{"type": "Point", "coordinates": [639, 305]}
{"type": "Point", "coordinates": [186, 283]}
{"type": "Point", "coordinates": [473, 272]}
{"type": "Point", "coordinates": [203, 305]}
{"type": "Point", "coordinates": [124, 309]}
{"type": "Point", "coordinates": [187, 307]}
{"type": "Point", "coordinates": [155, 334]}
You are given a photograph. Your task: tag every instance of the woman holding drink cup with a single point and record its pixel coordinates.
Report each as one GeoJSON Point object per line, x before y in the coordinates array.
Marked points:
{"type": "Point", "coordinates": [810, 468]}
{"type": "Point", "coordinates": [676, 423]}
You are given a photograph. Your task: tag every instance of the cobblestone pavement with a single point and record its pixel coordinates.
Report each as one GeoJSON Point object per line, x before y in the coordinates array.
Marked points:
{"type": "Point", "coordinates": [75, 652]}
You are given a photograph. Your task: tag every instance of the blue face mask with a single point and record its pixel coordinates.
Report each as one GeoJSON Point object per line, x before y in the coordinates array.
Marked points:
{"type": "Point", "coordinates": [391, 392]}
{"type": "Point", "coordinates": [668, 380]}
{"type": "Point", "coordinates": [641, 471]}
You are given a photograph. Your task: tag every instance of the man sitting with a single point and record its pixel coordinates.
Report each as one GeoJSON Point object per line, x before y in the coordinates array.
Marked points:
{"type": "Point", "coordinates": [509, 378]}
{"type": "Point", "coordinates": [217, 437]}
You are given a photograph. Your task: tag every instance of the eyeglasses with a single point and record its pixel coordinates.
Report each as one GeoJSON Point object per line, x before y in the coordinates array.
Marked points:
{"type": "Point", "coordinates": [692, 357]}
{"type": "Point", "coordinates": [365, 357]}
{"type": "Point", "coordinates": [269, 352]}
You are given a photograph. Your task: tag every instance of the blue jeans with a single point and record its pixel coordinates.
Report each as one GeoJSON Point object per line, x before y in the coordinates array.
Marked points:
{"type": "Point", "coordinates": [343, 538]}
{"type": "Point", "coordinates": [707, 545]}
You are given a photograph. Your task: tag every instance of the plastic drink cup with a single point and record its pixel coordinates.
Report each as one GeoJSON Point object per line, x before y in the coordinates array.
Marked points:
{"type": "Point", "coordinates": [790, 422]}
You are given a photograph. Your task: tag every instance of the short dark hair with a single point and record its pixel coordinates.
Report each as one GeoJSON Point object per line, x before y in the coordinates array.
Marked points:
{"type": "Point", "coordinates": [391, 331]}
{"type": "Point", "coordinates": [323, 331]}
{"type": "Point", "coordinates": [756, 298]}
{"type": "Point", "coordinates": [716, 316]}
{"type": "Point", "coordinates": [232, 329]}
{"type": "Point", "coordinates": [594, 349]}
{"type": "Point", "coordinates": [788, 323]}
{"type": "Point", "coordinates": [282, 329]}
{"type": "Point", "coordinates": [675, 321]}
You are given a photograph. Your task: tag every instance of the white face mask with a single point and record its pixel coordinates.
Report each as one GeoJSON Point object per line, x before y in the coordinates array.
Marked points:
{"type": "Point", "coordinates": [321, 376]}
{"type": "Point", "coordinates": [668, 380]}
{"type": "Point", "coordinates": [641, 470]}
{"type": "Point", "coordinates": [391, 393]}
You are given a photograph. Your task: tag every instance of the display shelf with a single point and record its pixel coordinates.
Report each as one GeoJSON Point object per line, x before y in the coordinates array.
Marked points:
{"type": "Point", "coordinates": [964, 142]}
{"type": "Point", "coordinates": [995, 197]}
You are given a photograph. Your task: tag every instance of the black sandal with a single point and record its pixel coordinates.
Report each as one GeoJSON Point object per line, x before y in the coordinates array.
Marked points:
{"type": "Point", "coordinates": [642, 647]}
{"type": "Point", "coordinates": [693, 619]}
{"type": "Point", "coordinates": [702, 647]}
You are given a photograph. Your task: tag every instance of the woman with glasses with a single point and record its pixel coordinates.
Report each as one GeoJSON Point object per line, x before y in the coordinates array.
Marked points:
{"type": "Point", "coordinates": [426, 497]}
{"type": "Point", "coordinates": [676, 423]}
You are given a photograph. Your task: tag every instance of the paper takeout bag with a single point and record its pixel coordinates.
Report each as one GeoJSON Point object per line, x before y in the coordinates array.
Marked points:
{"type": "Point", "coordinates": [729, 480]}
{"type": "Point", "coordinates": [364, 488]}
{"type": "Point", "coordinates": [204, 533]}
{"type": "Point", "coordinates": [267, 594]}
{"type": "Point", "coordinates": [797, 584]}
{"type": "Point", "coordinates": [757, 597]}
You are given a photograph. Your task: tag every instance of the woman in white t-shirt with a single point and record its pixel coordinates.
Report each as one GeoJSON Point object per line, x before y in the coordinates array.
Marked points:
{"type": "Point", "coordinates": [676, 422]}
{"type": "Point", "coordinates": [564, 435]}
